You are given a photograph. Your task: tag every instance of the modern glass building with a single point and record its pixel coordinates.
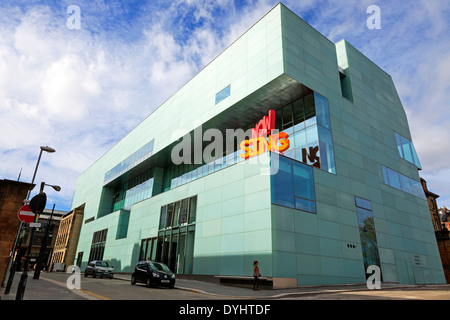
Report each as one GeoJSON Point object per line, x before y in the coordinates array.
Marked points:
{"type": "Point", "coordinates": [328, 187]}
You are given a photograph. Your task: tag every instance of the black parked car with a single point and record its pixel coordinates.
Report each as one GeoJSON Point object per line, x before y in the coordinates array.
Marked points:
{"type": "Point", "coordinates": [153, 273]}
{"type": "Point", "coordinates": [99, 268]}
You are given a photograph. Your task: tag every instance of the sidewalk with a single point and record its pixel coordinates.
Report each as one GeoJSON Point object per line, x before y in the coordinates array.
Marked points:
{"type": "Point", "coordinates": [43, 289]}
{"type": "Point", "coordinates": [48, 289]}
{"type": "Point", "coordinates": [247, 293]}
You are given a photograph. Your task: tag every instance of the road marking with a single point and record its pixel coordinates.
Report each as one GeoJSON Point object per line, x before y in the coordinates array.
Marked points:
{"type": "Point", "coordinates": [95, 295]}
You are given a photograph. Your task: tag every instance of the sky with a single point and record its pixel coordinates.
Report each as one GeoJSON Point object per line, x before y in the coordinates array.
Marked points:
{"type": "Point", "coordinates": [81, 90]}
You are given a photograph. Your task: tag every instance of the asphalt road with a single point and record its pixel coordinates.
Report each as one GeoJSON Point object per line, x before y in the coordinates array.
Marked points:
{"type": "Point", "coordinates": [116, 289]}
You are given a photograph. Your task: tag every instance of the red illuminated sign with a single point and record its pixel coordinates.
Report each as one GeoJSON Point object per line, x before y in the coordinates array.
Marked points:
{"type": "Point", "coordinates": [259, 144]}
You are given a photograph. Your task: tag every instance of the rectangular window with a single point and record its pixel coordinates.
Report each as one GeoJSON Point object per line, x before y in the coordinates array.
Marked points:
{"type": "Point", "coordinates": [224, 93]}
{"type": "Point", "coordinates": [292, 185]}
{"type": "Point", "coordinates": [178, 213]}
{"type": "Point", "coordinates": [282, 183]}
{"type": "Point", "coordinates": [98, 245]}
{"type": "Point", "coordinates": [367, 233]}
{"type": "Point", "coordinates": [401, 182]}
{"type": "Point", "coordinates": [138, 193]}
{"type": "Point", "coordinates": [142, 154]}
{"type": "Point", "coordinates": [406, 150]}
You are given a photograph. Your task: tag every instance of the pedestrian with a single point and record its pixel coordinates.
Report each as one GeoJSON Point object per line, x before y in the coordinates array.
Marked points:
{"type": "Point", "coordinates": [256, 275]}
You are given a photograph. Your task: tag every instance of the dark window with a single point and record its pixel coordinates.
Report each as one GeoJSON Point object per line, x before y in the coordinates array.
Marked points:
{"type": "Point", "coordinates": [98, 245]}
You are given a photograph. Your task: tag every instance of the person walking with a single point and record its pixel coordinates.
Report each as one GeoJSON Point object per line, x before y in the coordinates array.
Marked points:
{"type": "Point", "coordinates": [256, 275]}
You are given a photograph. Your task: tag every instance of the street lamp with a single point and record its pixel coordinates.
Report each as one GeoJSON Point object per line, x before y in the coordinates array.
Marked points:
{"type": "Point", "coordinates": [40, 207]}
{"type": "Point", "coordinates": [37, 270]}
{"type": "Point", "coordinates": [12, 267]}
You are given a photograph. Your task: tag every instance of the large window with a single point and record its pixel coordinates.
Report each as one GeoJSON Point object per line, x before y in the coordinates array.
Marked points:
{"type": "Point", "coordinates": [406, 150]}
{"type": "Point", "coordinates": [293, 184]}
{"type": "Point", "coordinates": [401, 182]}
{"type": "Point", "coordinates": [132, 191]}
{"type": "Point", "coordinates": [143, 153]}
{"type": "Point", "coordinates": [367, 233]}
{"type": "Point", "coordinates": [178, 213]}
{"type": "Point", "coordinates": [138, 193]}
{"type": "Point", "coordinates": [307, 121]}
{"type": "Point", "coordinates": [98, 245]}
{"type": "Point", "coordinates": [175, 243]}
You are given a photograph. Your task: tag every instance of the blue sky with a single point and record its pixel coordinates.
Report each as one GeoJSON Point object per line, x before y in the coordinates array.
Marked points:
{"type": "Point", "coordinates": [80, 91]}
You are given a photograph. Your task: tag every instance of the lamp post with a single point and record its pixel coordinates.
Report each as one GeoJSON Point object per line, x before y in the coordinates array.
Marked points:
{"type": "Point", "coordinates": [12, 267]}
{"type": "Point", "coordinates": [40, 259]}
{"type": "Point", "coordinates": [40, 207]}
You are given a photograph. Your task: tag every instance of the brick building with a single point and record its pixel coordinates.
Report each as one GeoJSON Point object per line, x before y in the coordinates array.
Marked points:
{"type": "Point", "coordinates": [12, 195]}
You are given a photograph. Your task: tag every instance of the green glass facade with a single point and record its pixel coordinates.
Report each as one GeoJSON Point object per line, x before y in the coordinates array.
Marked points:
{"type": "Point", "coordinates": [342, 197]}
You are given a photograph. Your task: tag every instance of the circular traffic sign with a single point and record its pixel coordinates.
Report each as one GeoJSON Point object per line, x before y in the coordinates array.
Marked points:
{"type": "Point", "coordinates": [26, 215]}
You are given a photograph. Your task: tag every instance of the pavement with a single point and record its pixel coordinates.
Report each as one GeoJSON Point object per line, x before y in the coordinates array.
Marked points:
{"type": "Point", "coordinates": [48, 289]}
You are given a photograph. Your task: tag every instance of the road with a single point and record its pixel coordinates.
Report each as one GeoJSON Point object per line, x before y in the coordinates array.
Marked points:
{"type": "Point", "coordinates": [116, 289]}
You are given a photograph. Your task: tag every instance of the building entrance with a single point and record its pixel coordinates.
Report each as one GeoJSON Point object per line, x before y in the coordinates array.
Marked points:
{"type": "Point", "coordinates": [174, 245]}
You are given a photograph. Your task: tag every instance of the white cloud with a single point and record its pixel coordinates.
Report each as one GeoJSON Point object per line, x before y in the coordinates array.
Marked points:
{"type": "Point", "coordinates": [71, 89]}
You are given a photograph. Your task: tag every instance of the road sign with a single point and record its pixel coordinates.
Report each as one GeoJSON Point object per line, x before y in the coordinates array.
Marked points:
{"type": "Point", "coordinates": [25, 214]}
{"type": "Point", "coordinates": [37, 203]}
{"type": "Point", "coordinates": [35, 225]}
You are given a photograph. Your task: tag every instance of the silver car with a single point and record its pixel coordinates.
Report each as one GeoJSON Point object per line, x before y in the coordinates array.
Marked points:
{"type": "Point", "coordinates": [99, 268]}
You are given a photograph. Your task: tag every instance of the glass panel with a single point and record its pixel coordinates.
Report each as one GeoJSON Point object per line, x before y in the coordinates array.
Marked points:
{"type": "Point", "coordinates": [287, 116]}
{"type": "Point", "coordinates": [189, 257]}
{"type": "Point", "coordinates": [165, 249]}
{"type": "Point", "coordinates": [368, 238]}
{"type": "Point", "coordinates": [148, 249]}
{"type": "Point", "coordinates": [282, 183]}
{"type": "Point", "coordinates": [405, 183]}
{"type": "Point", "coordinates": [415, 157]}
{"type": "Point", "coordinates": [154, 249]}
{"type": "Point", "coordinates": [163, 218]}
{"type": "Point", "coordinates": [279, 120]}
{"type": "Point", "coordinates": [300, 139]}
{"type": "Point", "coordinates": [303, 181]}
{"type": "Point", "coordinates": [172, 264]}
{"type": "Point", "coordinates": [305, 205]}
{"type": "Point", "coordinates": [363, 203]}
{"type": "Point", "coordinates": [184, 211]}
{"type": "Point", "coordinates": [159, 247]}
{"type": "Point", "coordinates": [322, 111]}
{"type": "Point", "coordinates": [181, 254]}
{"type": "Point", "coordinates": [398, 138]}
{"type": "Point", "coordinates": [299, 114]}
{"type": "Point", "coordinates": [385, 175]}
{"type": "Point", "coordinates": [312, 138]}
{"type": "Point", "coordinates": [129, 162]}
{"type": "Point", "coordinates": [312, 147]}
{"type": "Point", "coordinates": [176, 214]}
{"type": "Point", "coordinates": [224, 93]}
{"type": "Point", "coordinates": [192, 209]}
{"type": "Point", "coordinates": [407, 152]}
{"type": "Point", "coordinates": [394, 179]}
{"type": "Point", "coordinates": [169, 215]}
{"type": "Point", "coordinates": [326, 150]}
{"type": "Point", "coordinates": [310, 113]}
{"type": "Point", "coordinates": [417, 189]}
